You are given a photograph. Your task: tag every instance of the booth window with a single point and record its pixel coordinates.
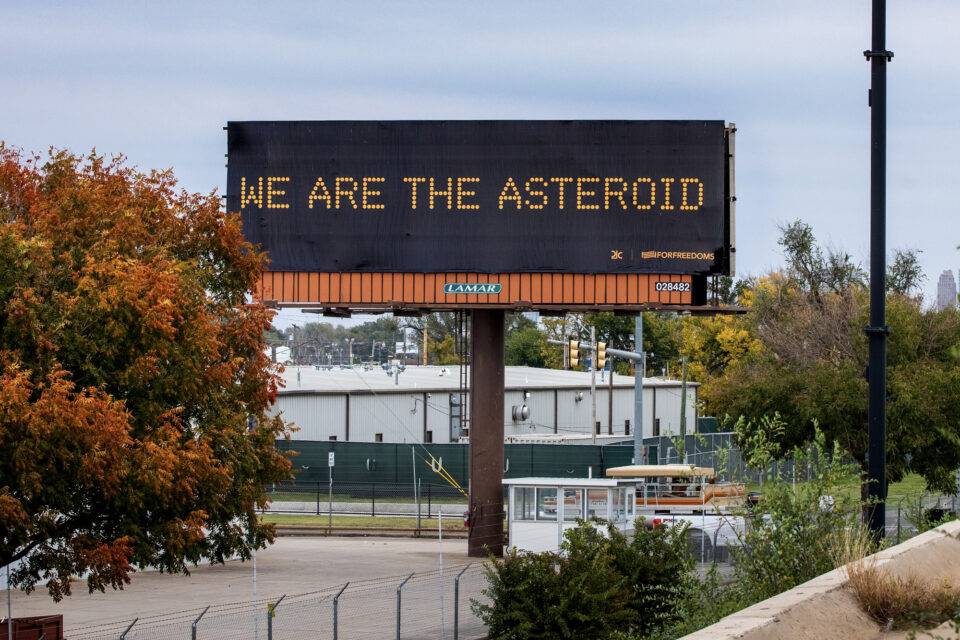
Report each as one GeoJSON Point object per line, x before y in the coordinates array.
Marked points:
{"type": "Point", "coordinates": [597, 506]}
{"type": "Point", "coordinates": [525, 504]}
{"type": "Point", "coordinates": [546, 504]}
{"type": "Point", "coordinates": [619, 511]}
{"type": "Point", "coordinates": [572, 504]}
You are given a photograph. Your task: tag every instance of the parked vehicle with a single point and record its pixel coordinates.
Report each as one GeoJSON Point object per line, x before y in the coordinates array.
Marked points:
{"type": "Point", "coordinates": [671, 495]}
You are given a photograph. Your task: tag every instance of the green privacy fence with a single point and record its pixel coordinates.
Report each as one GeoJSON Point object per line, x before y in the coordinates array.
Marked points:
{"type": "Point", "coordinates": [394, 463]}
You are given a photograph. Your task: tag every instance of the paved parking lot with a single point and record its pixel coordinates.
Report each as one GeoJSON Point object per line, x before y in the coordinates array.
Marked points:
{"type": "Point", "coordinates": [293, 565]}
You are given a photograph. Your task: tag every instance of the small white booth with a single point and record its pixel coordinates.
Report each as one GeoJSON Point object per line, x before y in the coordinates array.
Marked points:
{"type": "Point", "coordinates": [536, 522]}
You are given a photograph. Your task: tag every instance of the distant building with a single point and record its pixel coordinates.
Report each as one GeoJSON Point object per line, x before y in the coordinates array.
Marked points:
{"type": "Point", "coordinates": [946, 291]}
{"type": "Point", "coordinates": [424, 404]}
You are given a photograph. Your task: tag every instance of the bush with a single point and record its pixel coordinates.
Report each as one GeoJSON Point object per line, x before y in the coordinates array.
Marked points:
{"type": "Point", "coordinates": [655, 564]}
{"type": "Point", "coordinates": [791, 532]}
{"type": "Point", "coordinates": [599, 584]}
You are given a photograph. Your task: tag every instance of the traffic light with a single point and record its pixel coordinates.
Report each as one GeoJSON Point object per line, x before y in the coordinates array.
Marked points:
{"type": "Point", "coordinates": [601, 355]}
{"type": "Point", "coordinates": [574, 353]}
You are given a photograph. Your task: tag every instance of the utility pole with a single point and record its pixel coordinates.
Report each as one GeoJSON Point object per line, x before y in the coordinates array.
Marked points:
{"type": "Point", "coordinates": [610, 399]}
{"type": "Point", "coordinates": [878, 56]}
{"type": "Point", "coordinates": [593, 384]}
{"type": "Point", "coordinates": [566, 345]}
{"type": "Point", "coordinates": [683, 406]}
{"type": "Point", "coordinates": [639, 368]}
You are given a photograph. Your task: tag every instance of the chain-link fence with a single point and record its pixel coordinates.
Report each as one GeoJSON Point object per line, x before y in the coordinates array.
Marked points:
{"type": "Point", "coordinates": [418, 605]}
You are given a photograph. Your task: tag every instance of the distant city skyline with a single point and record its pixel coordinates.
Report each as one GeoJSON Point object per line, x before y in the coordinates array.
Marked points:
{"type": "Point", "coordinates": [946, 290]}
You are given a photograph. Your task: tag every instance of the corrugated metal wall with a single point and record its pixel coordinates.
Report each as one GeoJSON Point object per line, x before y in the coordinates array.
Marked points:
{"type": "Point", "coordinates": [399, 417]}
{"type": "Point", "coordinates": [318, 417]}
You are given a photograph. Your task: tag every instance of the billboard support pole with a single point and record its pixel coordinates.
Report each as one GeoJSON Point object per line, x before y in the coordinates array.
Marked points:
{"type": "Point", "coordinates": [486, 434]}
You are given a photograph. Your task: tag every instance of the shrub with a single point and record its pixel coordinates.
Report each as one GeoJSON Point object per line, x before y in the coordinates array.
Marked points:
{"type": "Point", "coordinates": [522, 588]}
{"type": "Point", "coordinates": [655, 564]}
{"type": "Point", "coordinates": [599, 584]}
{"type": "Point", "coordinates": [791, 532]}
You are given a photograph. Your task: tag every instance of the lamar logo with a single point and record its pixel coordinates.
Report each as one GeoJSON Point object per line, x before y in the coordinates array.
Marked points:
{"type": "Point", "coordinates": [472, 287]}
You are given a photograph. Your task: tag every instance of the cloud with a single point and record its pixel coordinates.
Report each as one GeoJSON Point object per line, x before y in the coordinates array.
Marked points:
{"type": "Point", "coordinates": [157, 81]}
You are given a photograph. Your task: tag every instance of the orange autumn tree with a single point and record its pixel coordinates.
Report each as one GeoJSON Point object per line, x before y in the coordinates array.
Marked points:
{"type": "Point", "coordinates": [133, 381]}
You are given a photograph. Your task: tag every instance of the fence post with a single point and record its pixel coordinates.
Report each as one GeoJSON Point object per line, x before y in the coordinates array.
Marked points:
{"type": "Point", "coordinates": [456, 602]}
{"type": "Point", "coordinates": [127, 630]}
{"type": "Point", "coordinates": [398, 603]}
{"type": "Point", "coordinates": [193, 627]}
{"type": "Point", "coordinates": [899, 502]}
{"type": "Point", "coordinates": [336, 600]}
{"type": "Point", "coordinates": [373, 499]}
{"type": "Point", "coordinates": [270, 613]}
{"type": "Point", "coordinates": [429, 502]}
{"type": "Point", "coordinates": [318, 497]}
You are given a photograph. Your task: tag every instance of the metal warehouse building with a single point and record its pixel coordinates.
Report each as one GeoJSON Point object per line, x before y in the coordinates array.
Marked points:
{"type": "Point", "coordinates": [423, 404]}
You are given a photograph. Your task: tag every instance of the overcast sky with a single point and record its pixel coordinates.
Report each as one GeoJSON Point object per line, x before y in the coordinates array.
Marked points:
{"type": "Point", "coordinates": [157, 81]}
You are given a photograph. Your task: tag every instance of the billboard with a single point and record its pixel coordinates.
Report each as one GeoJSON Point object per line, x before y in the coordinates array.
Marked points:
{"type": "Point", "coordinates": [486, 197]}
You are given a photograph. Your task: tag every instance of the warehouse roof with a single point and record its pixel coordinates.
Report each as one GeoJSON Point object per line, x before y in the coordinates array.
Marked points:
{"type": "Point", "coordinates": [310, 379]}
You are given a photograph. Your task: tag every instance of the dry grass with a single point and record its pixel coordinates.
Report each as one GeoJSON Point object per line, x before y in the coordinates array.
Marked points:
{"type": "Point", "coordinates": [893, 601]}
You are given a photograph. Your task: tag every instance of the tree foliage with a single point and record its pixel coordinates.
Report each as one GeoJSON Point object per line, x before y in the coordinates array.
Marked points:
{"type": "Point", "coordinates": [133, 384]}
{"type": "Point", "coordinates": [792, 534]}
{"type": "Point", "coordinates": [445, 352]}
{"type": "Point", "coordinates": [817, 271]}
{"type": "Point", "coordinates": [525, 347]}
{"type": "Point", "coordinates": [602, 583]}
{"type": "Point", "coordinates": [904, 275]}
{"type": "Point", "coordinates": [811, 362]}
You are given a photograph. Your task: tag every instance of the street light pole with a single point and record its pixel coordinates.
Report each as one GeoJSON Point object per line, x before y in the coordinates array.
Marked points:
{"type": "Point", "coordinates": [878, 56]}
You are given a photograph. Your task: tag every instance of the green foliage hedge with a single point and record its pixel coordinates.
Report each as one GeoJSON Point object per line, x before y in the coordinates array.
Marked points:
{"type": "Point", "coordinates": [600, 584]}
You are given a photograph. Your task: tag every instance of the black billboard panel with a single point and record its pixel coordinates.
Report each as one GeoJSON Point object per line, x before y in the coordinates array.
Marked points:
{"type": "Point", "coordinates": [484, 196]}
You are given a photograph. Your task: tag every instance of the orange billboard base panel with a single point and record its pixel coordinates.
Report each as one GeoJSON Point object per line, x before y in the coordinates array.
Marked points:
{"type": "Point", "coordinates": [344, 292]}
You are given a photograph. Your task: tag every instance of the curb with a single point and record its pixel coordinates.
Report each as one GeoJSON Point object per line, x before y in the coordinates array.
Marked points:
{"type": "Point", "coordinates": [823, 609]}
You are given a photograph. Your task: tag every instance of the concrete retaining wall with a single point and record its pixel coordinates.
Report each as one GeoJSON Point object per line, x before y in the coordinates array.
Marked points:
{"type": "Point", "coordinates": [823, 609]}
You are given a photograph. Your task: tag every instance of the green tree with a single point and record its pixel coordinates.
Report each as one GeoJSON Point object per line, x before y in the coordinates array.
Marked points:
{"type": "Point", "coordinates": [561, 329]}
{"type": "Point", "coordinates": [445, 353]}
{"type": "Point", "coordinates": [133, 380]}
{"type": "Point", "coordinates": [525, 347]}
{"type": "Point", "coordinates": [617, 332]}
{"type": "Point", "coordinates": [904, 275]}
{"type": "Point", "coordinates": [793, 533]}
{"type": "Point", "coordinates": [375, 340]}
{"type": "Point", "coordinates": [433, 327]}
{"type": "Point", "coordinates": [817, 271]}
{"type": "Point", "coordinates": [811, 368]}
{"type": "Point", "coordinates": [661, 341]}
